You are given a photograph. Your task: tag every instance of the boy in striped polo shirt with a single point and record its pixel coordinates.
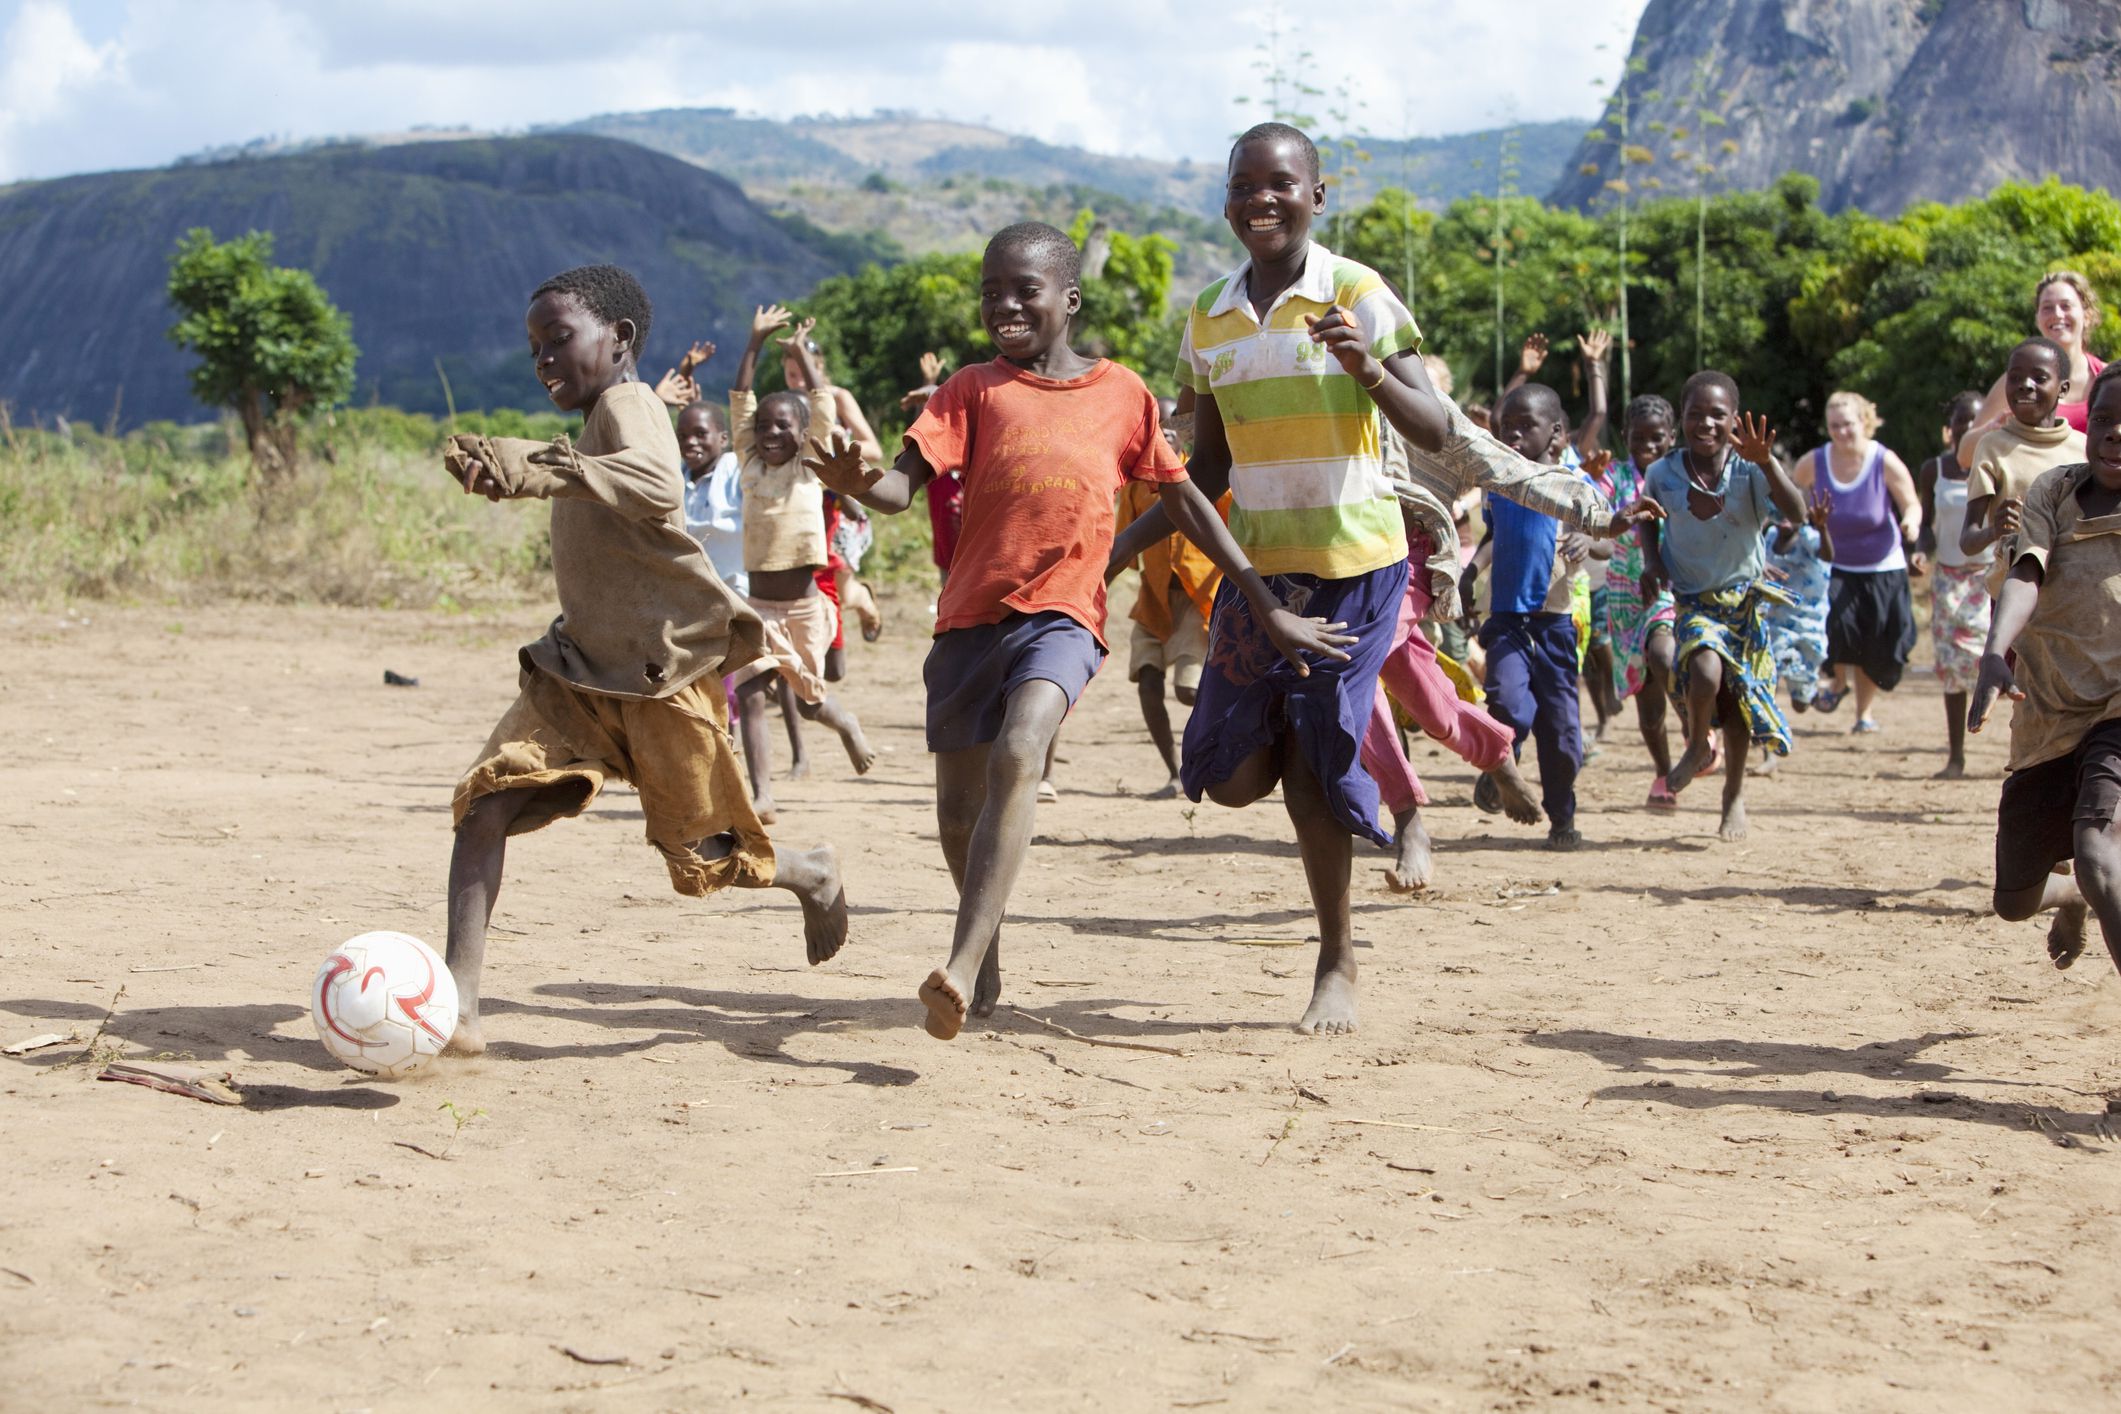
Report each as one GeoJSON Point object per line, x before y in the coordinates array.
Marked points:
{"type": "Point", "coordinates": [1291, 358]}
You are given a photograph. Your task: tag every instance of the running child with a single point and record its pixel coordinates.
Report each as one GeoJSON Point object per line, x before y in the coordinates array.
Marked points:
{"type": "Point", "coordinates": [626, 683]}
{"type": "Point", "coordinates": [2008, 459]}
{"type": "Point", "coordinates": [1046, 438]}
{"type": "Point", "coordinates": [1959, 597]}
{"type": "Point", "coordinates": [846, 538]}
{"type": "Point", "coordinates": [1638, 611]}
{"type": "Point", "coordinates": [1531, 634]}
{"type": "Point", "coordinates": [1800, 561]}
{"type": "Point", "coordinates": [1170, 618]}
{"type": "Point", "coordinates": [784, 547]}
{"type": "Point", "coordinates": [1720, 489]}
{"type": "Point", "coordinates": [2053, 652]}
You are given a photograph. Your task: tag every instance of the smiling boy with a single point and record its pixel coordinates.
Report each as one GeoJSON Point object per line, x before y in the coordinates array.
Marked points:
{"type": "Point", "coordinates": [1045, 438]}
{"type": "Point", "coordinates": [2010, 458]}
{"type": "Point", "coordinates": [2052, 650]}
{"type": "Point", "coordinates": [627, 681]}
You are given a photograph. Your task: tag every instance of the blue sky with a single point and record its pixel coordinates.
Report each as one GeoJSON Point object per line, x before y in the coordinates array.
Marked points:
{"type": "Point", "coordinates": [88, 85]}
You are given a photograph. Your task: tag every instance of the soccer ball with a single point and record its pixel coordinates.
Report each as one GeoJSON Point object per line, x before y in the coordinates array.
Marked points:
{"type": "Point", "coordinates": [384, 1003]}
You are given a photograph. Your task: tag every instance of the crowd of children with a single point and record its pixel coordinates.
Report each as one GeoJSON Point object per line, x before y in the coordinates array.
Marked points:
{"type": "Point", "coordinates": [1300, 525]}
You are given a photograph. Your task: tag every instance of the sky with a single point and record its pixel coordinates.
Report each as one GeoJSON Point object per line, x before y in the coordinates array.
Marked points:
{"type": "Point", "coordinates": [92, 85]}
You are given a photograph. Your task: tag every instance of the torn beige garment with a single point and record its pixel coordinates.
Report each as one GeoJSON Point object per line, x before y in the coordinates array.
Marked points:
{"type": "Point", "coordinates": [642, 612]}
{"type": "Point", "coordinates": [563, 744]}
{"type": "Point", "coordinates": [799, 632]}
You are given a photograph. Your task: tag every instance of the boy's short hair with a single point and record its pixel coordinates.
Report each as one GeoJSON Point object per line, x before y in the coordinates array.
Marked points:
{"type": "Point", "coordinates": [789, 396]}
{"type": "Point", "coordinates": [2054, 350]}
{"type": "Point", "coordinates": [1048, 245]}
{"type": "Point", "coordinates": [2105, 376]}
{"type": "Point", "coordinates": [1710, 378]}
{"type": "Point", "coordinates": [1647, 406]}
{"type": "Point", "coordinates": [608, 292]}
{"type": "Point", "coordinates": [1278, 132]}
{"type": "Point", "coordinates": [717, 416]}
{"type": "Point", "coordinates": [1545, 402]}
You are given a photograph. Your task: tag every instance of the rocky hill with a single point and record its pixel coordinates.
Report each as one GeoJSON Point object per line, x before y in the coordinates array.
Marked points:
{"type": "Point", "coordinates": [1886, 102]}
{"type": "Point", "coordinates": [432, 247]}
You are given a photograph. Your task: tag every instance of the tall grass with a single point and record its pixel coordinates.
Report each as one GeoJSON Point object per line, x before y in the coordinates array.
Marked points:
{"type": "Point", "coordinates": [175, 513]}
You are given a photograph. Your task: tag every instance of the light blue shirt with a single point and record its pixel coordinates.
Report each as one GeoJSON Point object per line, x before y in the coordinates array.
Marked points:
{"type": "Point", "coordinates": [714, 515]}
{"type": "Point", "coordinates": [1724, 550]}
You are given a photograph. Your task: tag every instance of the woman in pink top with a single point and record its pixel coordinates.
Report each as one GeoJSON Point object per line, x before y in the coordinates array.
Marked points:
{"type": "Point", "coordinates": [2066, 309]}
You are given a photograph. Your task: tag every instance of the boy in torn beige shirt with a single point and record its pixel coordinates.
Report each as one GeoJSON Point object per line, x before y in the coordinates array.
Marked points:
{"type": "Point", "coordinates": [627, 681]}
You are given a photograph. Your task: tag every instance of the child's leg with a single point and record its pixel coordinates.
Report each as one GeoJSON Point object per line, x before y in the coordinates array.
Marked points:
{"type": "Point", "coordinates": [1704, 669]}
{"type": "Point", "coordinates": [994, 843]}
{"type": "Point", "coordinates": [1955, 704]}
{"type": "Point", "coordinates": [1598, 677]}
{"type": "Point", "coordinates": [1650, 699]}
{"type": "Point", "coordinates": [1149, 684]}
{"type": "Point", "coordinates": [1557, 725]}
{"type": "Point", "coordinates": [1047, 789]}
{"type": "Point", "coordinates": [1328, 854]}
{"type": "Point", "coordinates": [475, 860]}
{"type": "Point", "coordinates": [1866, 694]}
{"type": "Point", "coordinates": [792, 719]}
{"type": "Point", "coordinates": [1415, 679]}
{"type": "Point", "coordinates": [1400, 790]}
{"type": "Point", "coordinates": [813, 876]}
{"type": "Point", "coordinates": [840, 720]}
{"type": "Point", "coordinates": [1737, 751]}
{"type": "Point", "coordinates": [758, 742]}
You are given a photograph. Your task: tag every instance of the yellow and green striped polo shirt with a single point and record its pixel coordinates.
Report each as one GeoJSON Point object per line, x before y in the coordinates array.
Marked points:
{"type": "Point", "coordinates": [1307, 475]}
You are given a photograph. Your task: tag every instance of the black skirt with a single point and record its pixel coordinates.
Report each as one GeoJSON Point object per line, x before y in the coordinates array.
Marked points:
{"type": "Point", "coordinates": [1870, 624]}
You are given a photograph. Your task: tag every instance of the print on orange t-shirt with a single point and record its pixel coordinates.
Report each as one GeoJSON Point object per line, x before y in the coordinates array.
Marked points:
{"type": "Point", "coordinates": [1042, 461]}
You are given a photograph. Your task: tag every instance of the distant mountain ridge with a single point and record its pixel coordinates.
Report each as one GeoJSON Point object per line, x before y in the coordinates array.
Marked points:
{"type": "Point", "coordinates": [1886, 102]}
{"type": "Point", "coordinates": [431, 247]}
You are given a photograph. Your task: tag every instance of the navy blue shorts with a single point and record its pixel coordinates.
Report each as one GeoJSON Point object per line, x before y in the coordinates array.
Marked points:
{"type": "Point", "coordinates": [971, 672]}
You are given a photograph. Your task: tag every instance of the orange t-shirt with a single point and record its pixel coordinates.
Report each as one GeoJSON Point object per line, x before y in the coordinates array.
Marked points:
{"type": "Point", "coordinates": [1042, 460]}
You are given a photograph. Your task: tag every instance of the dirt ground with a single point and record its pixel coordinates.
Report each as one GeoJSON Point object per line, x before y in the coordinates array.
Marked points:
{"type": "Point", "coordinates": [1665, 1124]}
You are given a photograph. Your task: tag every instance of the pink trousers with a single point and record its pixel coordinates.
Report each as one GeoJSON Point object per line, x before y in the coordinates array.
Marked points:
{"type": "Point", "coordinates": [1413, 676]}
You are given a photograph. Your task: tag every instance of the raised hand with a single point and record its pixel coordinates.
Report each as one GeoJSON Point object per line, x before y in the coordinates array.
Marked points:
{"type": "Point", "coordinates": [801, 333]}
{"type": "Point", "coordinates": [1642, 512]}
{"type": "Point", "coordinates": [1996, 677]}
{"type": "Point", "coordinates": [767, 318]}
{"type": "Point", "coordinates": [698, 354]}
{"type": "Point", "coordinates": [676, 389]}
{"type": "Point", "coordinates": [1822, 506]}
{"type": "Point", "coordinates": [914, 399]}
{"type": "Point", "coordinates": [1595, 345]}
{"type": "Point", "coordinates": [1293, 636]}
{"type": "Point", "coordinates": [1343, 338]}
{"type": "Point", "coordinates": [839, 467]}
{"type": "Point", "coordinates": [1533, 356]}
{"type": "Point", "coordinates": [931, 368]}
{"type": "Point", "coordinates": [1594, 465]}
{"type": "Point", "coordinates": [1753, 439]}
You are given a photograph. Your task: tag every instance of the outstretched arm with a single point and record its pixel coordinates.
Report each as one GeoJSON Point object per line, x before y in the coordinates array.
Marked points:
{"type": "Point", "coordinates": [1900, 485]}
{"type": "Point", "coordinates": [1754, 440]}
{"type": "Point", "coordinates": [1593, 349]}
{"type": "Point", "coordinates": [764, 321]}
{"type": "Point", "coordinates": [631, 481]}
{"type": "Point", "coordinates": [1209, 471]}
{"type": "Point", "coordinates": [2014, 609]}
{"type": "Point", "coordinates": [842, 469]}
{"type": "Point", "coordinates": [1291, 634]}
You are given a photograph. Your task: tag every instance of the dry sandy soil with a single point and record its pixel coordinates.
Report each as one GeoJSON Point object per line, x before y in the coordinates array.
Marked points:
{"type": "Point", "coordinates": [1785, 1125]}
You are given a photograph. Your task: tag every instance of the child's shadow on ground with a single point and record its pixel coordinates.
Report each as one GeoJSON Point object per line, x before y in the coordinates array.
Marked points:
{"type": "Point", "coordinates": [1893, 1062]}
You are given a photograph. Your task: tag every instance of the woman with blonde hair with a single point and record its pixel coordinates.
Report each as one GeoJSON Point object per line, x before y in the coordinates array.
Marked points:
{"type": "Point", "coordinates": [2065, 309]}
{"type": "Point", "coordinates": [1874, 522]}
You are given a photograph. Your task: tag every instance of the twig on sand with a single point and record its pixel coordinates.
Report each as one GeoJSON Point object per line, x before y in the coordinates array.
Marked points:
{"type": "Point", "coordinates": [1426, 1128]}
{"type": "Point", "coordinates": [587, 1359]}
{"type": "Point", "coordinates": [1055, 1026]}
{"type": "Point", "coordinates": [90, 1051]}
{"type": "Point", "coordinates": [863, 1400]}
{"type": "Point", "coordinates": [863, 1173]}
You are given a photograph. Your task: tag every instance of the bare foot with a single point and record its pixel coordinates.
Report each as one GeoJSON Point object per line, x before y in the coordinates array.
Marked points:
{"type": "Point", "coordinates": [799, 769]}
{"type": "Point", "coordinates": [2065, 936]}
{"type": "Point", "coordinates": [1167, 791]}
{"type": "Point", "coordinates": [1048, 792]}
{"type": "Point", "coordinates": [858, 752]}
{"type": "Point", "coordinates": [1332, 1009]}
{"type": "Point", "coordinates": [1954, 770]}
{"type": "Point", "coordinates": [766, 813]}
{"type": "Point", "coordinates": [1411, 871]}
{"type": "Point", "coordinates": [987, 987]}
{"type": "Point", "coordinates": [1733, 827]}
{"type": "Point", "coordinates": [824, 900]}
{"type": "Point", "coordinates": [946, 1006]}
{"type": "Point", "coordinates": [1699, 755]}
{"type": "Point", "coordinates": [1515, 793]}
{"type": "Point", "coordinates": [469, 1040]}
{"type": "Point", "coordinates": [1765, 766]}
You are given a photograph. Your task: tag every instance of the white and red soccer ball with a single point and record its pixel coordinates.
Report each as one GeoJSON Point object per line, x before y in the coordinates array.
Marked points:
{"type": "Point", "coordinates": [384, 1003]}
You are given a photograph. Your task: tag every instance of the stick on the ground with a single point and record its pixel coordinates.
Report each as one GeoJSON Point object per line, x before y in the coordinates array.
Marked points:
{"type": "Point", "coordinates": [1430, 1128]}
{"type": "Point", "coordinates": [1101, 1041]}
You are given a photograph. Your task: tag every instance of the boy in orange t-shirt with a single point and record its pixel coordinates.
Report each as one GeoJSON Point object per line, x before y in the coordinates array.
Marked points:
{"type": "Point", "coordinates": [1170, 634]}
{"type": "Point", "coordinates": [1045, 439]}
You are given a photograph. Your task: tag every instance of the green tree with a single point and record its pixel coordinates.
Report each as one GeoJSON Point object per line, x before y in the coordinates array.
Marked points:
{"type": "Point", "coordinates": [271, 345]}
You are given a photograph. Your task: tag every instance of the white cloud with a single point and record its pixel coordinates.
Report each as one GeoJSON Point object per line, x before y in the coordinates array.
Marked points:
{"type": "Point", "coordinates": [1157, 78]}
